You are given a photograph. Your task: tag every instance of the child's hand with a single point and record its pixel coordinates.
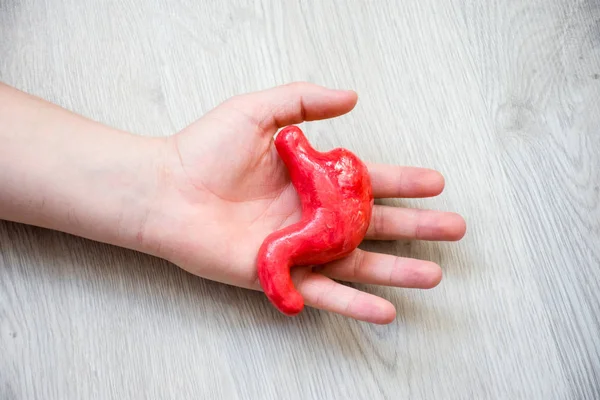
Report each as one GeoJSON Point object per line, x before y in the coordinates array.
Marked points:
{"type": "Point", "coordinates": [224, 189]}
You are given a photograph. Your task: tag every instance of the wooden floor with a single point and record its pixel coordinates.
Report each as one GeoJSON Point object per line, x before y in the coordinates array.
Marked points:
{"type": "Point", "coordinates": [503, 97]}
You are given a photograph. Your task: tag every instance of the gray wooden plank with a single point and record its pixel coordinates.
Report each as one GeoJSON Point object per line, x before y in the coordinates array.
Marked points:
{"type": "Point", "coordinates": [502, 96]}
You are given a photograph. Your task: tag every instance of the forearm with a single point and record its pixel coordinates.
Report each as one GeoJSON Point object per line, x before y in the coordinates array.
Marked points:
{"type": "Point", "coordinates": [64, 172]}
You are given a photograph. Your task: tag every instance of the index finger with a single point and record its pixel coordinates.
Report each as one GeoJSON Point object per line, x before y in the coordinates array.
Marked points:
{"type": "Point", "coordinates": [390, 181]}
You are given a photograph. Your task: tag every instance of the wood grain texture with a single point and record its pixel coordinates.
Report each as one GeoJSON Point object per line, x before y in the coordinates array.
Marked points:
{"type": "Point", "coordinates": [502, 96]}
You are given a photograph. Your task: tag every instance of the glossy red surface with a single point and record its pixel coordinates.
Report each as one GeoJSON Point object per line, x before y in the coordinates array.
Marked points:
{"type": "Point", "coordinates": [335, 191]}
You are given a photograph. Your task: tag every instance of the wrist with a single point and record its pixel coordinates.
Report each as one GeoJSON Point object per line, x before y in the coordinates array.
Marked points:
{"type": "Point", "coordinates": [110, 193]}
{"type": "Point", "coordinates": [127, 195]}
{"type": "Point", "coordinates": [157, 223]}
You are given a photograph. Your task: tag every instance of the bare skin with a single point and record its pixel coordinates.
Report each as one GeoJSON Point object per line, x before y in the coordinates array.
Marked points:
{"type": "Point", "coordinates": [205, 198]}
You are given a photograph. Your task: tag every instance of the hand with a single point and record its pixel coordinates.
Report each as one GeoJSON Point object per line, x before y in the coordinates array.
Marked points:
{"type": "Point", "coordinates": [224, 189]}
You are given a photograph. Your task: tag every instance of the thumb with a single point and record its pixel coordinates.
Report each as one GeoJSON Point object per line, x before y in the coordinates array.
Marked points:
{"type": "Point", "coordinates": [289, 104]}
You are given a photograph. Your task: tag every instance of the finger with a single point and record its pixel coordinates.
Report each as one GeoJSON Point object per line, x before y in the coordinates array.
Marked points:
{"type": "Point", "coordinates": [395, 223]}
{"type": "Point", "coordinates": [323, 293]}
{"type": "Point", "coordinates": [294, 103]}
{"type": "Point", "coordinates": [385, 270]}
{"type": "Point", "coordinates": [410, 182]}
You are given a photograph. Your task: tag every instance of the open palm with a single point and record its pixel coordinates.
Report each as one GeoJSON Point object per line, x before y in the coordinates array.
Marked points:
{"type": "Point", "coordinates": [227, 190]}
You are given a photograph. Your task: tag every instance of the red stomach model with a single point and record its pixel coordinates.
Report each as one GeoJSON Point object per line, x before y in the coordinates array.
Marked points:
{"type": "Point", "coordinates": [337, 201]}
